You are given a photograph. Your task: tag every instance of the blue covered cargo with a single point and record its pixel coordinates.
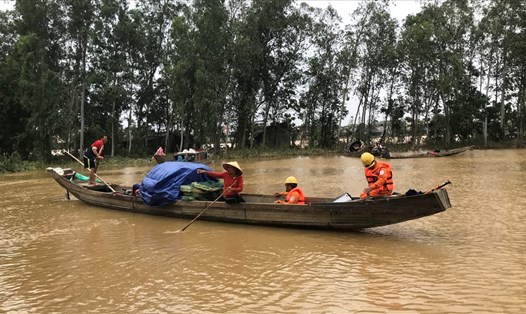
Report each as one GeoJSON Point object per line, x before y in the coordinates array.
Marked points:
{"type": "Point", "coordinates": [162, 184]}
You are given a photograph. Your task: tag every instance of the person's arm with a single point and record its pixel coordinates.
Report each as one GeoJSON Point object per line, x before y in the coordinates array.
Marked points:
{"type": "Point", "coordinates": [218, 175]}
{"type": "Point", "coordinates": [237, 186]}
{"type": "Point", "coordinates": [96, 151]}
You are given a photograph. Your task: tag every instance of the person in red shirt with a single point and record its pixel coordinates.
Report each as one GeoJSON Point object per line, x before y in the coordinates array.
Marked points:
{"type": "Point", "coordinates": [92, 156]}
{"type": "Point", "coordinates": [293, 194]}
{"type": "Point", "coordinates": [232, 181]}
{"type": "Point", "coordinates": [379, 177]}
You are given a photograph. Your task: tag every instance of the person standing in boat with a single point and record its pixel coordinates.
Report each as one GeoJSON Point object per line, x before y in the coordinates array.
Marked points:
{"type": "Point", "coordinates": [293, 194]}
{"type": "Point", "coordinates": [92, 156]}
{"type": "Point", "coordinates": [232, 181]}
{"type": "Point", "coordinates": [379, 177]}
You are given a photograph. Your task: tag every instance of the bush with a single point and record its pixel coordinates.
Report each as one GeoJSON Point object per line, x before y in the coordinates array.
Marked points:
{"type": "Point", "coordinates": [14, 163]}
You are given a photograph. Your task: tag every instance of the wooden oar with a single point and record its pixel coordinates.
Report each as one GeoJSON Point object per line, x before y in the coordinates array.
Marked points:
{"type": "Point", "coordinates": [96, 175]}
{"type": "Point", "coordinates": [439, 187]}
{"type": "Point", "coordinates": [208, 206]}
{"type": "Point", "coordinates": [195, 218]}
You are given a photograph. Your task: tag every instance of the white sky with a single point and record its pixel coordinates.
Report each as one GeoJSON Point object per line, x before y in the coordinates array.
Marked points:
{"type": "Point", "coordinates": [7, 4]}
{"type": "Point", "coordinates": [399, 8]}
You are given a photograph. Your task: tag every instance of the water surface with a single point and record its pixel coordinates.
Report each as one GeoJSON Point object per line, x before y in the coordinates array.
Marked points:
{"type": "Point", "coordinates": [63, 256]}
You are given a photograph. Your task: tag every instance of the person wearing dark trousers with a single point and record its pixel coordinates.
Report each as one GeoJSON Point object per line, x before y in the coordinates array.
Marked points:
{"type": "Point", "coordinates": [92, 156]}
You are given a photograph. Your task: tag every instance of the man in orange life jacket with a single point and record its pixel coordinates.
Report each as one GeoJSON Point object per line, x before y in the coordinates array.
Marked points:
{"type": "Point", "coordinates": [293, 194]}
{"type": "Point", "coordinates": [379, 177]}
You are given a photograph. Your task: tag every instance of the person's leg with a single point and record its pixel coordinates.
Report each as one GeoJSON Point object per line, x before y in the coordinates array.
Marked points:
{"type": "Point", "coordinates": [375, 193]}
{"type": "Point", "coordinates": [234, 199]}
{"type": "Point", "coordinates": [94, 171]}
{"type": "Point", "coordinates": [92, 176]}
{"type": "Point", "coordinates": [90, 164]}
{"type": "Point", "coordinates": [231, 200]}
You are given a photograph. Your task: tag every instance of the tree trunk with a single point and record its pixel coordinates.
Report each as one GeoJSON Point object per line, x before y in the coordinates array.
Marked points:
{"type": "Point", "coordinates": [81, 144]}
{"type": "Point", "coordinates": [113, 128]}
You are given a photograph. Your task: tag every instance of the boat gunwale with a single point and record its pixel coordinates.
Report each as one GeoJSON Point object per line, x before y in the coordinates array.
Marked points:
{"type": "Point", "coordinates": [316, 214]}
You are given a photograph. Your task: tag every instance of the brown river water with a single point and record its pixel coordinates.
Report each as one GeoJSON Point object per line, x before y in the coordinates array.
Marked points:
{"type": "Point", "coordinates": [63, 256]}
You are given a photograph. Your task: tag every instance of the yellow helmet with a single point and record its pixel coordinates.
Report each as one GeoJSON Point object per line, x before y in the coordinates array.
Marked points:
{"type": "Point", "coordinates": [367, 159]}
{"type": "Point", "coordinates": [291, 180]}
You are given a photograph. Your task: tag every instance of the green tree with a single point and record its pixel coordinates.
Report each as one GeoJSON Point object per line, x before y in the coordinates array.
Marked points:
{"type": "Point", "coordinates": [321, 100]}
{"type": "Point", "coordinates": [110, 76]}
{"type": "Point", "coordinates": [37, 55]}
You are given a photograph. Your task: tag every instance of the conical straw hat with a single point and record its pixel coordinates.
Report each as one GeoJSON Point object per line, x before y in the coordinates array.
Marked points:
{"type": "Point", "coordinates": [232, 164]}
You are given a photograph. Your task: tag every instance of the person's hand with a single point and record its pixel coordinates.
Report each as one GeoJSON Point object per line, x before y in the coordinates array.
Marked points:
{"type": "Point", "coordinates": [367, 190]}
{"type": "Point", "coordinates": [279, 202]}
{"type": "Point", "coordinates": [201, 171]}
{"type": "Point", "coordinates": [99, 157]}
{"type": "Point", "coordinates": [229, 189]}
{"type": "Point", "coordinates": [277, 194]}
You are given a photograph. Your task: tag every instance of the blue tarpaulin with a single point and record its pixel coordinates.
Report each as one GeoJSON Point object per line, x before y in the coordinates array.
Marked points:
{"type": "Point", "coordinates": [162, 184]}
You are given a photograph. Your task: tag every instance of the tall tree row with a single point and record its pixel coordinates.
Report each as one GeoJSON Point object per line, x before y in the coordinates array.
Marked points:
{"type": "Point", "coordinates": [203, 73]}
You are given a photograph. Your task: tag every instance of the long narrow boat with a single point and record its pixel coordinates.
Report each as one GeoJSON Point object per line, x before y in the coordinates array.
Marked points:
{"type": "Point", "coordinates": [448, 152]}
{"type": "Point", "coordinates": [341, 213]}
{"type": "Point", "coordinates": [403, 155]}
{"type": "Point", "coordinates": [422, 154]}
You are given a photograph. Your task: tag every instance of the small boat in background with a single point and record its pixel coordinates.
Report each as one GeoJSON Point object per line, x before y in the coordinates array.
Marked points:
{"type": "Point", "coordinates": [188, 155]}
{"type": "Point", "coordinates": [426, 154]}
{"type": "Point", "coordinates": [192, 155]}
{"type": "Point", "coordinates": [411, 154]}
{"type": "Point", "coordinates": [448, 152]}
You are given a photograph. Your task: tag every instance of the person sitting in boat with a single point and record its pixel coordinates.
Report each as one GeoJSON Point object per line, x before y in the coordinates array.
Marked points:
{"type": "Point", "coordinates": [293, 194]}
{"type": "Point", "coordinates": [136, 191]}
{"type": "Point", "coordinates": [377, 149]}
{"type": "Point", "coordinates": [159, 155]}
{"type": "Point", "coordinates": [232, 181]}
{"type": "Point", "coordinates": [355, 146]}
{"type": "Point", "coordinates": [379, 177]}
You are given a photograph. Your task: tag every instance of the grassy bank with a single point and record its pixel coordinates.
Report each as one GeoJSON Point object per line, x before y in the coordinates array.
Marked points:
{"type": "Point", "coordinates": [15, 164]}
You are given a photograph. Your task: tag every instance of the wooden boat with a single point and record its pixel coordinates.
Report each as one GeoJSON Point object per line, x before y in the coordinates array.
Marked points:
{"type": "Point", "coordinates": [356, 149]}
{"type": "Point", "coordinates": [448, 152]}
{"type": "Point", "coordinates": [342, 213]}
{"type": "Point", "coordinates": [402, 155]}
{"type": "Point", "coordinates": [421, 154]}
{"type": "Point", "coordinates": [191, 156]}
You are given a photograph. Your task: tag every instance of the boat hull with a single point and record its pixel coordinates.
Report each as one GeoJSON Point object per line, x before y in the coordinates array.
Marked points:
{"type": "Point", "coordinates": [319, 213]}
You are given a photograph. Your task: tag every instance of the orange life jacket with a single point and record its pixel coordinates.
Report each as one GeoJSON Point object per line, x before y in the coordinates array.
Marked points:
{"type": "Point", "coordinates": [373, 175]}
{"type": "Point", "coordinates": [301, 199]}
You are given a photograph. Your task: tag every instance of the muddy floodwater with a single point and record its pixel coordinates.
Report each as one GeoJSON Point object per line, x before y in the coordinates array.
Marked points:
{"type": "Point", "coordinates": [63, 256]}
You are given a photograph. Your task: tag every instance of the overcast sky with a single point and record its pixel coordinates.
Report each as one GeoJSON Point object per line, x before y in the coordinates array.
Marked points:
{"type": "Point", "coordinates": [399, 8]}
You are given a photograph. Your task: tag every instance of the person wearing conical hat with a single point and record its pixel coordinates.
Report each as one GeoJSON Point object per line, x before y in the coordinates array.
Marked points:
{"type": "Point", "coordinates": [232, 181]}
{"type": "Point", "coordinates": [293, 194]}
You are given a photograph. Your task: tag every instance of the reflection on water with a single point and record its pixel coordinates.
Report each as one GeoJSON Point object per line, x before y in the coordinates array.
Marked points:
{"type": "Point", "coordinates": [64, 256]}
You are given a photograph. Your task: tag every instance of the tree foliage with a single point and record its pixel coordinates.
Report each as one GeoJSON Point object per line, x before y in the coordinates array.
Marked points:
{"type": "Point", "coordinates": [245, 73]}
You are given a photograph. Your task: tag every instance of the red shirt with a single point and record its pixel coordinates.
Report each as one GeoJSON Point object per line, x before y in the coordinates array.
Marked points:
{"type": "Point", "coordinates": [99, 145]}
{"type": "Point", "coordinates": [236, 184]}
